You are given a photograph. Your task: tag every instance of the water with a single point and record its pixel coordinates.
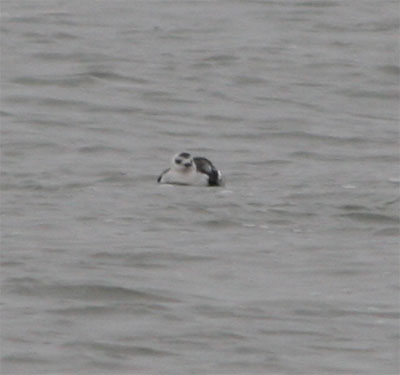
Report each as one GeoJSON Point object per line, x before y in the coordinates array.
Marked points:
{"type": "Point", "coordinates": [291, 268]}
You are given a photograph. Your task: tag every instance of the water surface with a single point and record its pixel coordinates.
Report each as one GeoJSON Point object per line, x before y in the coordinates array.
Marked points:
{"type": "Point", "coordinates": [291, 268]}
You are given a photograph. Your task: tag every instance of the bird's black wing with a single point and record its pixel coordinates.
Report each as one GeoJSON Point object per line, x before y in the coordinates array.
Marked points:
{"type": "Point", "coordinates": [162, 174]}
{"type": "Point", "coordinates": [205, 166]}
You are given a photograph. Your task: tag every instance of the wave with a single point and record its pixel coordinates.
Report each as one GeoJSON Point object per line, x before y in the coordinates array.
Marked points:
{"type": "Point", "coordinates": [87, 292]}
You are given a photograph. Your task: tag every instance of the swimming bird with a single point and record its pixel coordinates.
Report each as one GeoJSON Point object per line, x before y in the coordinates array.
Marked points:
{"type": "Point", "coordinates": [188, 170]}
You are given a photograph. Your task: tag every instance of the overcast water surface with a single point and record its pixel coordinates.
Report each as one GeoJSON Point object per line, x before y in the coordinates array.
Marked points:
{"type": "Point", "coordinates": [291, 268]}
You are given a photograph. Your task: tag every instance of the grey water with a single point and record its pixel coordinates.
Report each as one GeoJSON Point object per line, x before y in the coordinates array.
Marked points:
{"type": "Point", "coordinates": [291, 268]}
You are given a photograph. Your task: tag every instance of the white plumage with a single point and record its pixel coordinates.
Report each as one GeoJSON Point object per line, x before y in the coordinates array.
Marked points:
{"type": "Point", "coordinates": [188, 170]}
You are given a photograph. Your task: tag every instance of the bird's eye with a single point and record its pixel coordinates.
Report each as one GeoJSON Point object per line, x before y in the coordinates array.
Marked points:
{"type": "Point", "coordinates": [178, 161]}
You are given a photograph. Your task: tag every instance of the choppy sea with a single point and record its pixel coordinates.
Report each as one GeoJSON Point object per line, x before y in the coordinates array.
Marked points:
{"type": "Point", "coordinates": [291, 268]}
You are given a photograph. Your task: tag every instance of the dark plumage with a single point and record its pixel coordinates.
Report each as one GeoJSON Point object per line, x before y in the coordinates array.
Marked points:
{"type": "Point", "coordinates": [205, 166]}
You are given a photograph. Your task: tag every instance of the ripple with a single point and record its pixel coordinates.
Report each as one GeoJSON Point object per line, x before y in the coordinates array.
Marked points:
{"type": "Point", "coordinates": [66, 81]}
{"type": "Point", "coordinates": [390, 69]}
{"type": "Point", "coordinates": [365, 217]}
{"type": "Point", "coordinates": [331, 312]}
{"type": "Point", "coordinates": [118, 350]}
{"type": "Point", "coordinates": [221, 59]}
{"type": "Point", "coordinates": [95, 149]}
{"type": "Point", "coordinates": [153, 258]}
{"type": "Point", "coordinates": [352, 207]}
{"type": "Point", "coordinates": [21, 358]}
{"type": "Point", "coordinates": [318, 4]}
{"type": "Point", "coordinates": [392, 231]}
{"type": "Point", "coordinates": [218, 224]}
{"type": "Point", "coordinates": [309, 155]}
{"type": "Point", "coordinates": [72, 57]}
{"type": "Point", "coordinates": [272, 162]}
{"type": "Point", "coordinates": [329, 139]}
{"type": "Point", "coordinates": [31, 185]}
{"type": "Point", "coordinates": [291, 214]}
{"type": "Point", "coordinates": [222, 118]}
{"type": "Point", "coordinates": [83, 310]}
{"type": "Point", "coordinates": [82, 292]}
{"type": "Point", "coordinates": [355, 93]}
{"type": "Point", "coordinates": [112, 76]}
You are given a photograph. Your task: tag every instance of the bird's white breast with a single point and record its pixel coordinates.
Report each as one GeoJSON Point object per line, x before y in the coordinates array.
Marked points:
{"type": "Point", "coordinates": [184, 178]}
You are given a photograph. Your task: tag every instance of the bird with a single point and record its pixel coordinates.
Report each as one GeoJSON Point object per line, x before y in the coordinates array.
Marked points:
{"type": "Point", "coordinates": [188, 170]}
